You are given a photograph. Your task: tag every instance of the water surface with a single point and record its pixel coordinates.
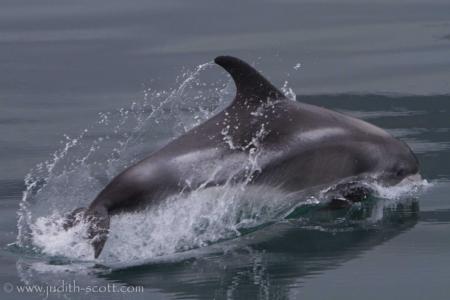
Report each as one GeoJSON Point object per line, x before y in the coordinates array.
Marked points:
{"type": "Point", "coordinates": [386, 62]}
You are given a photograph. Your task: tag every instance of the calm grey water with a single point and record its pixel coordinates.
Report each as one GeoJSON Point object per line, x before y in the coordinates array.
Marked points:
{"type": "Point", "coordinates": [388, 62]}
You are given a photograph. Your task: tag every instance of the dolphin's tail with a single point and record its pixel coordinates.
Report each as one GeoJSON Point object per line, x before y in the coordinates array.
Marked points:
{"type": "Point", "coordinates": [98, 220]}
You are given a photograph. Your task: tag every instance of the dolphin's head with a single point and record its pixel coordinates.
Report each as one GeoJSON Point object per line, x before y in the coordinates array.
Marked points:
{"type": "Point", "coordinates": [401, 162]}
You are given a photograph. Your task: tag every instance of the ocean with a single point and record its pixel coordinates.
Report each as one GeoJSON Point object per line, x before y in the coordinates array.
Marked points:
{"type": "Point", "coordinates": [87, 88]}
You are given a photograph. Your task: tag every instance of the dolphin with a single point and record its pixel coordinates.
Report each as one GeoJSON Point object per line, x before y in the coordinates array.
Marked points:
{"type": "Point", "coordinates": [295, 146]}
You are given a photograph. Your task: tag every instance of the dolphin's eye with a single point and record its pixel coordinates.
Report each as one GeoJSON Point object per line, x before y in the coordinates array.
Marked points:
{"type": "Point", "coordinates": [401, 172]}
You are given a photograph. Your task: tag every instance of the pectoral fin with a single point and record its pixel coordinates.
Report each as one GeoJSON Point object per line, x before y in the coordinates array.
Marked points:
{"type": "Point", "coordinates": [98, 227]}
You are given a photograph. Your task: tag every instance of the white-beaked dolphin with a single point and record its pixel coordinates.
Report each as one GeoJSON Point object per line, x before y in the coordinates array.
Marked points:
{"type": "Point", "coordinates": [299, 146]}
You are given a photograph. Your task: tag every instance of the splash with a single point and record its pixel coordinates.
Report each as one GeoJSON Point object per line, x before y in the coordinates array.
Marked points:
{"type": "Point", "coordinates": [384, 204]}
{"type": "Point", "coordinates": [288, 91]}
{"type": "Point", "coordinates": [75, 174]}
{"type": "Point", "coordinates": [85, 163]}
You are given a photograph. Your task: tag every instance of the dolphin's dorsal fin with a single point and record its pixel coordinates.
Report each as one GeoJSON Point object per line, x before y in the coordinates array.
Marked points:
{"type": "Point", "coordinates": [251, 86]}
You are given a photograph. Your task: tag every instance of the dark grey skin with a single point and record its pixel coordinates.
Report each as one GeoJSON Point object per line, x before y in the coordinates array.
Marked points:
{"type": "Point", "coordinates": [298, 146]}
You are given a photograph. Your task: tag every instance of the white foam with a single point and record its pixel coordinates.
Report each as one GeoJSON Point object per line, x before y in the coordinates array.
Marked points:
{"type": "Point", "coordinates": [409, 186]}
{"type": "Point", "coordinates": [49, 237]}
{"type": "Point", "coordinates": [180, 223]}
{"type": "Point", "coordinates": [189, 221]}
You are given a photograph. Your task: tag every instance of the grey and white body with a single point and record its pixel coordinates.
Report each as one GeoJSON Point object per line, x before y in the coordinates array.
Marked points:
{"type": "Point", "coordinates": [295, 146]}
